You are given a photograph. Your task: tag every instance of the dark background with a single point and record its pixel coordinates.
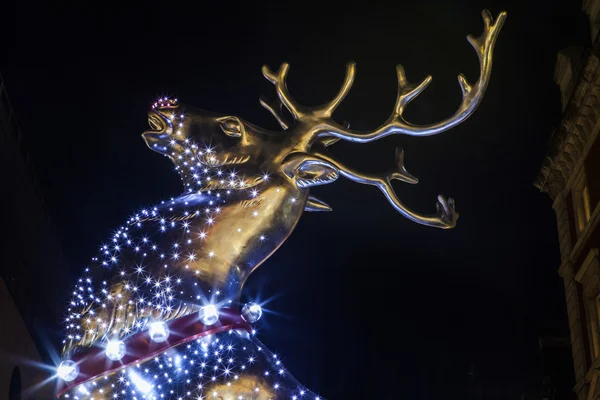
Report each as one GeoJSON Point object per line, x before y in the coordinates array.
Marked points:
{"type": "Point", "coordinates": [363, 301]}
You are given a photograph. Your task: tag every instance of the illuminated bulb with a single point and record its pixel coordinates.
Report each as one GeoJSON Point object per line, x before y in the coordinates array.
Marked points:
{"type": "Point", "coordinates": [115, 350]}
{"type": "Point", "coordinates": [158, 331]}
{"type": "Point", "coordinates": [205, 342]}
{"type": "Point", "coordinates": [67, 370]}
{"type": "Point", "coordinates": [251, 312]}
{"type": "Point", "coordinates": [209, 314]}
{"type": "Point", "coordinates": [141, 384]}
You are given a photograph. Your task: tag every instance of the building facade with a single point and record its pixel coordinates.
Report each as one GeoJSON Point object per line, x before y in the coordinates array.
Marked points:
{"type": "Point", "coordinates": [570, 174]}
{"type": "Point", "coordinates": [31, 268]}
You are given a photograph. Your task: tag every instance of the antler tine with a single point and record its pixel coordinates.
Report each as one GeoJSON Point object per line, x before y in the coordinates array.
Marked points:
{"type": "Point", "coordinates": [327, 110]}
{"type": "Point", "coordinates": [271, 108]}
{"type": "Point", "coordinates": [471, 95]}
{"type": "Point", "coordinates": [407, 91]}
{"type": "Point", "coordinates": [483, 46]}
{"type": "Point", "coordinates": [278, 79]}
{"type": "Point", "coordinates": [400, 173]}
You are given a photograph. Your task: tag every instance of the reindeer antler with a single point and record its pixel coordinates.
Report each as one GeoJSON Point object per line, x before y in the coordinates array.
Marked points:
{"type": "Point", "coordinates": [278, 79]}
{"type": "Point", "coordinates": [275, 110]}
{"type": "Point", "coordinates": [446, 215]}
{"type": "Point", "coordinates": [299, 112]}
{"type": "Point", "coordinates": [471, 94]}
{"type": "Point", "coordinates": [318, 124]}
{"type": "Point", "coordinates": [407, 92]}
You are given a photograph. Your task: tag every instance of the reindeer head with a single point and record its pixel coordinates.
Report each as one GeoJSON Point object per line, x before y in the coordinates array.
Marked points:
{"type": "Point", "coordinates": [215, 152]}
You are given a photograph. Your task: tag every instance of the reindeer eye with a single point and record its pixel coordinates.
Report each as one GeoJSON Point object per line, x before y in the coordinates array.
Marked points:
{"type": "Point", "coordinates": [231, 126]}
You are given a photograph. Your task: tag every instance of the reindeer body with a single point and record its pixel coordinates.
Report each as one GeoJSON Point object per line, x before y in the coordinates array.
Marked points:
{"type": "Point", "coordinates": [180, 249]}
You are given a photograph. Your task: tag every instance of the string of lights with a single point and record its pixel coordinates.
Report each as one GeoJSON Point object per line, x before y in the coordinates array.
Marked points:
{"type": "Point", "coordinates": [142, 323]}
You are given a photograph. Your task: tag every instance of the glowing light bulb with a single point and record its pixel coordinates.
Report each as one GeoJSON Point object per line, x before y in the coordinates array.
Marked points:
{"type": "Point", "coordinates": [205, 342]}
{"type": "Point", "coordinates": [209, 314]}
{"type": "Point", "coordinates": [251, 312]}
{"type": "Point", "coordinates": [67, 370]}
{"type": "Point", "coordinates": [141, 384]}
{"type": "Point", "coordinates": [115, 350]}
{"type": "Point", "coordinates": [158, 331]}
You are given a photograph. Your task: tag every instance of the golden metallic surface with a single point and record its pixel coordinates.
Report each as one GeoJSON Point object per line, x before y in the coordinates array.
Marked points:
{"type": "Point", "coordinates": [246, 188]}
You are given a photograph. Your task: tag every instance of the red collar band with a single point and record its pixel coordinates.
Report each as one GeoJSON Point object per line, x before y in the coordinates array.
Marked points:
{"type": "Point", "coordinates": [93, 362]}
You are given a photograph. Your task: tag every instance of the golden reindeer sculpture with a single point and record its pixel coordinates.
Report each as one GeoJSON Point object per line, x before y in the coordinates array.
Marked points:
{"type": "Point", "coordinates": [155, 314]}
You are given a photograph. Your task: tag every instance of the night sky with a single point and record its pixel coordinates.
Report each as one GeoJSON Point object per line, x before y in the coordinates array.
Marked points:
{"type": "Point", "coordinates": [364, 301]}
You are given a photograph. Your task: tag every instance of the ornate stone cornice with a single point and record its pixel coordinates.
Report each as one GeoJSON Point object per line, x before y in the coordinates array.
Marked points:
{"type": "Point", "coordinates": [570, 137]}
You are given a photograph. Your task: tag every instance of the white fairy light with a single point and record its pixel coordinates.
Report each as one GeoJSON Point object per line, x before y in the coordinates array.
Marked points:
{"type": "Point", "coordinates": [158, 331]}
{"type": "Point", "coordinates": [67, 370]}
{"type": "Point", "coordinates": [115, 350]}
{"type": "Point", "coordinates": [251, 312]}
{"type": "Point", "coordinates": [209, 314]}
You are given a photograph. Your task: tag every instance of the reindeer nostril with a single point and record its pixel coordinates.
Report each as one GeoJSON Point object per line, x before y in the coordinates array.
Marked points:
{"type": "Point", "coordinates": [158, 122]}
{"type": "Point", "coordinates": [154, 122]}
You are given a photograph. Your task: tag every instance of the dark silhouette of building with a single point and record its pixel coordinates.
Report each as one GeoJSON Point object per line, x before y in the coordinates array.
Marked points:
{"type": "Point", "coordinates": [31, 269]}
{"type": "Point", "coordinates": [570, 174]}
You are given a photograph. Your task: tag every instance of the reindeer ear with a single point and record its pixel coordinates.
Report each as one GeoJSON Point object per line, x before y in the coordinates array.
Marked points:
{"type": "Point", "coordinates": [308, 170]}
{"type": "Point", "coordinates": [232, 126]}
